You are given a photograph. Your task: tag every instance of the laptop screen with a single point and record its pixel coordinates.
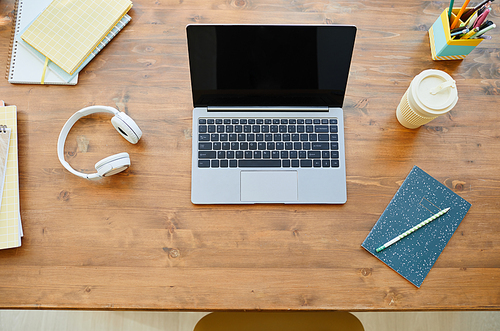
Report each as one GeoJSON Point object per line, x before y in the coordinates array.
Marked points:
{"type": "Point", "coordinates": [269, 65]}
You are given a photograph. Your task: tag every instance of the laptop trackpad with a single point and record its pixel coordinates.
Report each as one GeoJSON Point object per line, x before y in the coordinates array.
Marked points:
{"type": "Point", "coordinates": [269, 186]}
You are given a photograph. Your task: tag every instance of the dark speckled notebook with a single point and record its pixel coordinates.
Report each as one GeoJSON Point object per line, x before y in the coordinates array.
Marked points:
{"type": "Point", "coordinates": [419, 197]}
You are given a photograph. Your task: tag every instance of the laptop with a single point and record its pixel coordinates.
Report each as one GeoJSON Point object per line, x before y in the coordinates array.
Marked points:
{"type": "Point", "coordinates": [268, 121]}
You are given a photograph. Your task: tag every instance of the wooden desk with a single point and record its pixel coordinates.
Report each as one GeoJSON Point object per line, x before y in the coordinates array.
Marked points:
{"type": "Point", "coordinates": [135, 241]}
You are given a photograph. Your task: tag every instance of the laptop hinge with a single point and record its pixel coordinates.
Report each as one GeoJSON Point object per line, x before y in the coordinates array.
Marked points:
{"type": "Point", "coordinates": [268, 108]}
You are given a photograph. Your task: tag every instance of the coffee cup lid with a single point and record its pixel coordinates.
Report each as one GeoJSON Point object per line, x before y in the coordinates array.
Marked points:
{"type": "Point", "coordinates": [434, 91]}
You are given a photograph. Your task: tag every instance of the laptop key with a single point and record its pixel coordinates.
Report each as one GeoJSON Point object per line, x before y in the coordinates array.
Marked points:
{"type": "Point", "coordinates": [233, 163]}
{"type": "Point", "coordinates": [314, 154]}
{"type": "Point", "coordinates": [204, 137]}
{"type": "Point", "coordinates": [203, 163]}
{"type": "Point", "coordinates": [295, 163]}
{"type": "Point", "coordinates": [335, 163]}
{"type": "Point", "coordinates": [204, 146]}
{"type": "Point", "coordinates": [320, 146]}
{"type": "Point", "coordinates": [206, 154]}
{"type": "Point", "coordinates": [259, 163]}
{"type": "Point", "coordinates": [306, 163]}
{"type": "Point", "coordinates": [323, 137]}
{"type": "Point", "coordinates": [215, 163]}
{"type": "Point", "coordinates": [321, 128]}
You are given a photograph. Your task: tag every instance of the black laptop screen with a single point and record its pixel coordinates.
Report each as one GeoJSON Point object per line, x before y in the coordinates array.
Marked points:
{"type": "Point", "coordinates": [269, 65]}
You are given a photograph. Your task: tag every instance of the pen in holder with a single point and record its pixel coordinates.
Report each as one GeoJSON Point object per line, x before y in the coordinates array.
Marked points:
{"type": "Point", "coordinates": [443, 47]}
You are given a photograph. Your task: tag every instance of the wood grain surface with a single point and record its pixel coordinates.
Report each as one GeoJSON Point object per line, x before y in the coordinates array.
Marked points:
{"type": "Point", "coordinates": [135, 241]}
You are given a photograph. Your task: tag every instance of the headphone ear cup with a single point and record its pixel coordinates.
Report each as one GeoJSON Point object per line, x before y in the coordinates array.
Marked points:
{"type": "Point", "coordinates": [113, 164]}
{"type": "Point", "coordinates": [126, 126]}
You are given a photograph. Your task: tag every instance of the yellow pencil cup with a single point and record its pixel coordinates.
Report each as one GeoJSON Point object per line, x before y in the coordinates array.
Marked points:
{"type": "Point", "coordinates": [442, 46]}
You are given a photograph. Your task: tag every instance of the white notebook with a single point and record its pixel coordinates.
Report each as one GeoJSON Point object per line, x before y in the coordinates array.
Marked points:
{"type": "Point", "coordinates": [25, 68]}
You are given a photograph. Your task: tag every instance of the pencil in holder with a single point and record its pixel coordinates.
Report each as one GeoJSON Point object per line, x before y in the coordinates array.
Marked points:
{"type": "Point", "coordinates": [442, 46]}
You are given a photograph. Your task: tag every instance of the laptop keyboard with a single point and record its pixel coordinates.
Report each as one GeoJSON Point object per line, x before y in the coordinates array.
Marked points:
{"type": "Point", "coordinates": [268, 143]}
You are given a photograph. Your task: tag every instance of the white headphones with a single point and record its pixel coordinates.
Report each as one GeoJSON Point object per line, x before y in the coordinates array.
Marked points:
{"type": "Point", "coordinates": [112, 164]}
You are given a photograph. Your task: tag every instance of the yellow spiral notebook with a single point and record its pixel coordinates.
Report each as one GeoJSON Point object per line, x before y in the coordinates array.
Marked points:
{"type": "Point", "coordinates": [68, 30]}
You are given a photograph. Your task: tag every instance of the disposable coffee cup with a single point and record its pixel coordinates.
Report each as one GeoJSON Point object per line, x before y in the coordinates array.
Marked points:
{"type": "Point", "coordinates": [431, 93]}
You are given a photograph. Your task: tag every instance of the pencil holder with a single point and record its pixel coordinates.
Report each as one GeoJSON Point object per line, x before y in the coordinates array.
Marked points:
{"type": "Point", "coordinates": [442, 46]}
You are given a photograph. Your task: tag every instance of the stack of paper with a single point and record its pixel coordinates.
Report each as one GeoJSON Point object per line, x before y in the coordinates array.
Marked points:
{"type": "Point", "coordinates": [10, 217]}
{"type": "Point", "coordinates": [55, 40]}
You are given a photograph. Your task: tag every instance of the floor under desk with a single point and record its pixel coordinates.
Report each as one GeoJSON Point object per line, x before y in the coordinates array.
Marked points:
{"type": "Point", "coordinates": [20, 320]}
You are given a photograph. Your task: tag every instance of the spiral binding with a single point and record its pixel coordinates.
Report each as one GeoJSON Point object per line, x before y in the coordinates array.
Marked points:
{"type": "Point", "coordinates": [13, 48]}
{"type": "Point", "coordinates": [3, 128]}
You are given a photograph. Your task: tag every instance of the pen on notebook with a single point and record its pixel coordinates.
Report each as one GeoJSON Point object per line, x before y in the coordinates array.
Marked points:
{"type": "Point", "coordinates": [413, 229]}
{"type": "Point", "coordinates": [457, 19]}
